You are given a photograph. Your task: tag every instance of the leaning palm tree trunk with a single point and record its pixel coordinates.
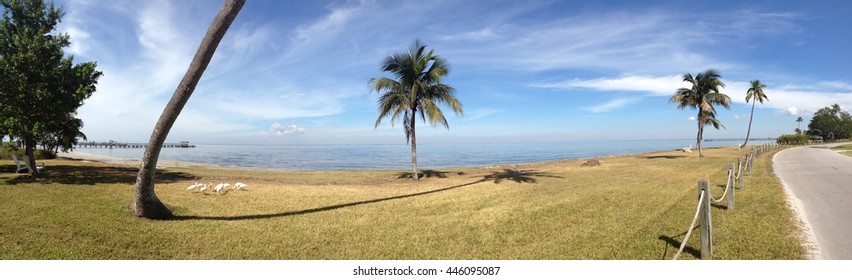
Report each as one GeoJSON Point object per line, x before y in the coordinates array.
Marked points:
{"type": "Point", "coordinates": [145, 203]}
{"type": "Point", "coordinates": [748, 133]}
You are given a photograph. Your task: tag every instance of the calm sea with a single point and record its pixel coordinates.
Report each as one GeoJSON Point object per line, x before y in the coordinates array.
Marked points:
{"type": "Point", "coordinates": [397, 157]}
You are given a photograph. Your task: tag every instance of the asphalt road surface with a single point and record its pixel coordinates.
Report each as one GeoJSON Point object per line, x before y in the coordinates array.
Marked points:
{"type": "Point", "coordinates": [820, 181]}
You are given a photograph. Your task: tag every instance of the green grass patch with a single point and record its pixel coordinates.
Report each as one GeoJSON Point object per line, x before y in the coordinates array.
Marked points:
{"type": "Point", "coordinates": [630, 207]}
{"type": "Point", "coordinates": [845, 149]}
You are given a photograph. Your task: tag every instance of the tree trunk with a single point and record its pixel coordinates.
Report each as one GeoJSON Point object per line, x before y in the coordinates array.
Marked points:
{"type": "Point", "coordinates": [749, 122]}
{"type": "Point", "coordinates": [29, 151]}
{"type": "Point", "coordinates": [700, 134]}
{"type": "Point", "coordinates": [414, 175]}
{"type": "Point", "coordinates": [145, 203]}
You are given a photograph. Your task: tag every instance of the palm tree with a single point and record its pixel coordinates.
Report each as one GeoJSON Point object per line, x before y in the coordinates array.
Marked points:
{"type": "Point", "coordinates": [145, 201]}
{"type": "Point", "coordinates": [703, 95]}
{"type": "Point", "coordinates": [417, 90]}
{"type": "Point", "coordinates": [799, 120]}
{"type": "Point", "coordinates": [755, 94]}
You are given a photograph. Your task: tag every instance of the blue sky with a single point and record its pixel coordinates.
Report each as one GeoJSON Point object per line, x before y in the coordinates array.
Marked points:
{"type": "Point", "coordinates": [297, 72]}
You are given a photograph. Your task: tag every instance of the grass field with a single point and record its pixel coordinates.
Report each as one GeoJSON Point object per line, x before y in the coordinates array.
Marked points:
{"type": "Point", "coordinates": [844, 149]}
{"type": "Point", "coordinates": [630, 207]}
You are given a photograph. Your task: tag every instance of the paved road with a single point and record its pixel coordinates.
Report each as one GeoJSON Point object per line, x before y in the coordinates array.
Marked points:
{"type": "Point", "coordinates": [820, 180]}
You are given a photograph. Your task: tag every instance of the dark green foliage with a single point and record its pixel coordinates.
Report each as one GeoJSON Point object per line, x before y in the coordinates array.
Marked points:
{"type": "Point", "coordinates": [793, 139]}
{"type": "Point", "coordinates": [41, 87]}
{"type": "Point", "coordinates": [831, 123]}
{"type": "Point", "coordinates": [417, 90]}
{"type": "Point", "coordinates": [703, 95]}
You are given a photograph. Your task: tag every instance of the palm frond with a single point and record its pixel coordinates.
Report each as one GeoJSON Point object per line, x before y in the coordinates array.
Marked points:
{"type": "Point", "coordinates": [716, 123]}
{"type": "Point", "coordinates": [684, 97]}
{"type": "Point", "coordinates": [416, 90]}
{"type": "Point", "coordinates": [719, 99]}
{"type": "Point", "coordinates": [756, 92]}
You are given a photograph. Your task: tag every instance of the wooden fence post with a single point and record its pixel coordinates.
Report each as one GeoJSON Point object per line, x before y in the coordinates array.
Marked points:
{"type": "Point", "coordinates": [749, 161]}
{"type": "Point", "coordinates": [740, 173]}
{"type": "Point", "coordinates": [731, 186]}
{"type": "Point", "coordinates": [705, 221]}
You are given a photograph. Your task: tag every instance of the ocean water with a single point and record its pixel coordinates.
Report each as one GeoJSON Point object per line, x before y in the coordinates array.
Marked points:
{"type": "Point", "coordinates": [398, 157]}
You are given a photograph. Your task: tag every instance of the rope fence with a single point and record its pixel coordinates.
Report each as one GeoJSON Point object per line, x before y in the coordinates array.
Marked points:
{"type": "Point", "coordinates": [735, 179]}
{"type": "Point", "coordinates": [727, 186]}
{"type": "Point", "coordinates": [691, 226]}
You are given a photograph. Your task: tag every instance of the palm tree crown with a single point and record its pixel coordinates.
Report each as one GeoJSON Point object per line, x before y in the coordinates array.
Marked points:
{"type": "Point", "coordinates": [755, 93]}
{"type": "Point", "coordinates": [703, 95]}
{"type": "Point", "coordinates": [799, 120]}
{"type": "Point", "coordinates": [416, 91]}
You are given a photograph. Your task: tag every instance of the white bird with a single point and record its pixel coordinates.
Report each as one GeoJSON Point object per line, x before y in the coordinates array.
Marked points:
{"type": "Point", "coordinates": [192, 187]}
{"type": "Point", "coordinates": [220, 187]}
{"type": "Point", "coordinates": [205, 187]}
{"type": "Point", "coordinates": [240, 186]}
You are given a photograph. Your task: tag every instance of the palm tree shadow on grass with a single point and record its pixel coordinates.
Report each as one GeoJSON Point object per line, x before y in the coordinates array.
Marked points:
{"type": "Point", "coordinates": [518, 176]}
{"type": "Point", "coordinates": [426, 173]}
{"type": "Point", "coordinates": [665, 157]}
{"type": "Point", "coordinates": [522, 176]}
{"type": "Point", "coordinates": [91, 175]}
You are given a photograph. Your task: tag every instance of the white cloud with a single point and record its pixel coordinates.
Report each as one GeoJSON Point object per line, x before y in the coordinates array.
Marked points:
{"type": "Point", "coordinates": [649, 41]}
{"type": "Point", "coordinates": [166, 48]}
{"type": "Point", "coordinates": [78, 43]}
{"type": "Point", "coordinates": [480, 113]}
{"type": "Point", "coordinates": [276, 129]}
{"type": "Point", "coordinates": [659, 86]}
{"type": "Point", "coordinates": [479, 35]}
{"type": "Point", "coordinates": [801, 97]}
{"type": "Point", "coordinates": [613, 105]}
{"type": "Point", "coordinates": [836, 85]}
{"type": "Point", "coordinates": [805, 101]}
{"type": "Point", "coordinates": [792, 111]}
{"type": "Point", "coordinates": [241, 85]}
{"type": "Point", "coordinates": [315, 36]}
{"type": "Point", "coordinates": [692, 118]}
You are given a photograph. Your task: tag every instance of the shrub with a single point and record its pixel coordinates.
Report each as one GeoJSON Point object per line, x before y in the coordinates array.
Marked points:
{"type": "Point", "coordinates": [39, 154]}
{"type": "Point", "coordinates": [793, 139]}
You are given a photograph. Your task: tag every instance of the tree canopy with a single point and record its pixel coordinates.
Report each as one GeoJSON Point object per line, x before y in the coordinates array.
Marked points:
{"type": "Point", "coordinates": [754, 94]}
{"type": "Point", "coordinates": [41, 87]}
{"type": "Point", "coordinates": [703, 95]}
{"type": "Point", "coordinates": [830, 123]}
{"type": "Point", "coordinates": [418, 90]}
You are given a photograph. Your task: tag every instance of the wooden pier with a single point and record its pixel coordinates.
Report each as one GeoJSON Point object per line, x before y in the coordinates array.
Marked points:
{"type": "Point", "coordinates": [124, 145]}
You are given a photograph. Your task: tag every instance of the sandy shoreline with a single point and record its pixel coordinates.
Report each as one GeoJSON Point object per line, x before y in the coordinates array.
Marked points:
{"type": "Point", "coordinates": [98, 158]}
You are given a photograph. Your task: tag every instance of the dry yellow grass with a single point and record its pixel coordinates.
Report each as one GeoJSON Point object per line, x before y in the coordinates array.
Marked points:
{"type": "Point", "coordinates": [844, 149]}
{"type": "Point", "coordinates": [630, 207]}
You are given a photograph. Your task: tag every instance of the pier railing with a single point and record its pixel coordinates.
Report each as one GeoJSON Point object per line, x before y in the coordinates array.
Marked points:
{"type": "Point", "coordinates": [126, 145]}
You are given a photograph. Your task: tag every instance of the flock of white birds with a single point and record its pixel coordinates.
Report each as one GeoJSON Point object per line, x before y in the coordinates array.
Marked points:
{"type": "Point", "coordinates": [219, 189]}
